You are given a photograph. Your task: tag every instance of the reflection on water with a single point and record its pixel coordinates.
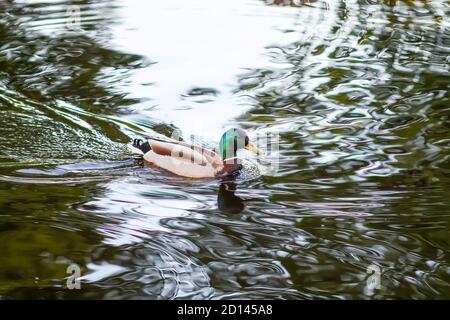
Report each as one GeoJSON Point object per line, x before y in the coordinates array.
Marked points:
{"type": "Point", "coordinates": [227, 200]}
{"type": "Point", "coordinates": [357, 90]}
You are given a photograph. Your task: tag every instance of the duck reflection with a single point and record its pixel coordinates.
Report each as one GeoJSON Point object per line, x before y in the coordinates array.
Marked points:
{"type": "Point", "coordinates": [227, 200]}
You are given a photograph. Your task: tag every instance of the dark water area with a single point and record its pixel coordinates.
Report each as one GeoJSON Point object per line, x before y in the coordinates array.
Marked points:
{"type": "Point", "coordinates": [358, 92]}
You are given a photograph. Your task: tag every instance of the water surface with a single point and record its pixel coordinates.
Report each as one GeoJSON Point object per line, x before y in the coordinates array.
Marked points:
{"type": "Point", "coordinates": [357, 90]}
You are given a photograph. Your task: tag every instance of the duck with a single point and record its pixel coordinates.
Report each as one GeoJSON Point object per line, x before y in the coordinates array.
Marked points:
{"type": "Point", "coordinates": [193, 161]}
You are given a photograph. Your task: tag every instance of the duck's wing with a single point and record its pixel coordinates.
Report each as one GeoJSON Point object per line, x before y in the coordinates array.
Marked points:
{"type": "Point", "coordinates": [176, 150]}
{"type": "Point", "coordinates": [184, 159]}
{"type": "Point", "coordinates": [187, 151]}
{"type": "Point", "coordinates": [180, 166]}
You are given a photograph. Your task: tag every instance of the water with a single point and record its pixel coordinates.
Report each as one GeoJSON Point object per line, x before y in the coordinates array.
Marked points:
{"type": "Point", "coordinates": [358, 91]}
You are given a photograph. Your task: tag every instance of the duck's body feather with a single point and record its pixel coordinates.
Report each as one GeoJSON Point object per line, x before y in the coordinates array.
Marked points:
{"type": "Point", "coordinates": [180, 166]}
{"type": "Point", "coordinates": [186, 159]}
{"type": "Point", "coordinates": [189, 160]}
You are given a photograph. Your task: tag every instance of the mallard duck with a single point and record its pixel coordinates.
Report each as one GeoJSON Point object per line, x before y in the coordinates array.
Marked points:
{"type": "Point", "coordinates": [189, 160]}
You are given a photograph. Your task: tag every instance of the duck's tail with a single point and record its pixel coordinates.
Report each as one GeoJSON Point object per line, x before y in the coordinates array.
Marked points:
{"type": "Point", "coordinates": [139, 147]}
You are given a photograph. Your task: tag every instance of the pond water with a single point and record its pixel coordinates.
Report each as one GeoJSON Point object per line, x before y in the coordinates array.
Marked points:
{"type": "Point", "coordinates": [357, 91]}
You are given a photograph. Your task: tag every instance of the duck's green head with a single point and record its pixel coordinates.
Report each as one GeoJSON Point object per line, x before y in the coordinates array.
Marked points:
{"type": "Point", "coordinates": [233, 140]}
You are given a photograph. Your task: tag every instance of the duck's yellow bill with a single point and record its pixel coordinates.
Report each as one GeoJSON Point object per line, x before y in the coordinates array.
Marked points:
{"type": "Point", "coordinates": [254, 149]}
